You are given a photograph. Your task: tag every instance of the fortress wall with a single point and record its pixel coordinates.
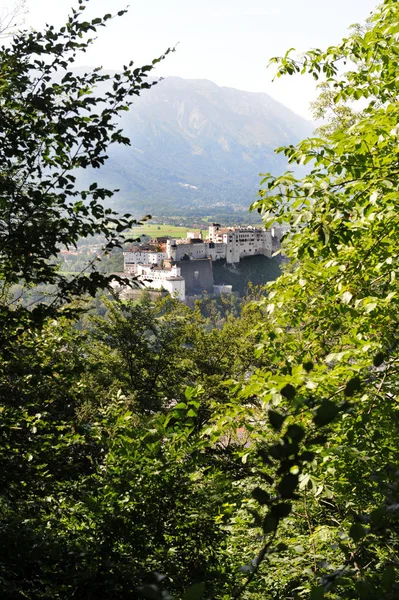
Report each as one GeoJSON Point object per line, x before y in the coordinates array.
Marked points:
{"type": "Point", "coordinates": [198, 275]}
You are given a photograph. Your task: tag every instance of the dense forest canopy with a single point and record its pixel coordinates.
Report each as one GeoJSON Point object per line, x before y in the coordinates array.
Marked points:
{"type": "Point", "coordinates": [234, 450]}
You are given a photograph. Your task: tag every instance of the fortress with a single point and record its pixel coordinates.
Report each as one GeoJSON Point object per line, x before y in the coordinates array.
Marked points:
{"type": "Point", "coordinates": [183, 267]}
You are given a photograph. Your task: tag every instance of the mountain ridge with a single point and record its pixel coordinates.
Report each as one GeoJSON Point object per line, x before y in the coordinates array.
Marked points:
{"type": "Point", "coordinates": [197, 147]}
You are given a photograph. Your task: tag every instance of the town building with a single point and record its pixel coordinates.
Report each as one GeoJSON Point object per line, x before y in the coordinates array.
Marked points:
{"type": "Point", "coordinates": [146, 255]}
{"type": "Point", "coordinates": [229, 243]}
{"type": "Point", "coordinates": [184, 266]}
{"type": "Point", "coordinates": [155, 278]}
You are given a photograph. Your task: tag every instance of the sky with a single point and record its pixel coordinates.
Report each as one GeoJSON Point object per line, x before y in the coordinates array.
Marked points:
{"type": "Point", "coordinates": [228, 42]}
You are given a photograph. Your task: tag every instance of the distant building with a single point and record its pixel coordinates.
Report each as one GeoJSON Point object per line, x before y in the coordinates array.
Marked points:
{"type": "Point", "coordinates": [229, 243]}
{"type": "Point", "coordinates": [146, 255]}
{"type": "Point", "coordinates": [156, 278]}
{"type": "Point", "coordinates": [194, 235]}
{"type": "Point", "coordinates": [184, 266]}
{"type": "Point", "coordinates": [222, 289]}
{"type": "Point", "coordinates": [241, 242]}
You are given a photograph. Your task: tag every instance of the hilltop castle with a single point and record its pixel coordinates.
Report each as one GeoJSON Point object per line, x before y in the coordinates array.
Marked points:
{"type": "Point", "coordinates": [183, 267]}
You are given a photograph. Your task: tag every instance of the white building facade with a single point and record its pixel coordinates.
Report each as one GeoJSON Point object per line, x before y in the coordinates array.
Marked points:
{"type": "Point", "coordinates": [251, 241]}
{"type": "Point", "coordinates": [167, 279]}
{"type": "Point", "coordinates": [146, 257]}
{"type": "Point", "coordinates": [155, 269]}
{"type": "Point", "coordinates": [229, 243]}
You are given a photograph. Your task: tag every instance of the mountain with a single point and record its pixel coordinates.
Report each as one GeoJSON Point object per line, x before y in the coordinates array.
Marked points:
{"type": "Point", "coordinates": [197, 148]}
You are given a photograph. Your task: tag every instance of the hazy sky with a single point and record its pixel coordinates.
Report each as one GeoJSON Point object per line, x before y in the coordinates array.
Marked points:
{"type": "Point", "coordinates": [226, 41]}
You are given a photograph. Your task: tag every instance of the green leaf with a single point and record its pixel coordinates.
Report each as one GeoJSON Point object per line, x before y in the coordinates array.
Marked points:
{"type": "Point", "coordinates": [288, 485]}
{"type": "Point", "coordinates": [308, 366]}
{"type": "Point", "coordinates": [357, 532]}
{"type": "Point", "coordinates": [346, 297]}
{"type": "Point", "coordinates": [307, 456]}
{"type": "Point", "coordinates": [318, 440]}
{"type": "Point", "coordinates": [149, 591]}
{"type": "Point", "coordinates": [257, 517]}
{"type": "Point", "coordinates": [370, 307]}
{"type": "Point", "coordinates": [295, 432]}
{"type": "Point", "coordinates": [378, 359]}
{"type": "Point", "coordinates": [266, 477]}
{"type": "Point", "coordinates": [281, 547]}
{"type": "Point", "coordinates": [180, 405]}
{"type": "Point", "coordinates": [281, 511]}
{"type": "Point", "coordinates": [365, 588]}
{"type": "Point", "coordinates": [264, 456]}
{"type": "Point", "coordinates": [389, 577]}
{"type": "Point", "coordinates": [270, 523]}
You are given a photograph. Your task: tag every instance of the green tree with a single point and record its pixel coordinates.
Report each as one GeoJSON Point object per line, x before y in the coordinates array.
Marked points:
{"type": "Point", "coordinates": [91, 501]}
{"type": "Point", "coordinates": [328, 451]}
{"type": "Point", "coordinates": [55, 122]}
{"type": "Point", "coordinates": [141, 349]}
{"type": "Point", "coordinates": [94, 501]}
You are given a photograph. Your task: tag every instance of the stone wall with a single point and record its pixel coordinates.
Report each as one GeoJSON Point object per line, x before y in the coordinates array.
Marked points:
{"type": "Point", "coordinates": [198, 275]}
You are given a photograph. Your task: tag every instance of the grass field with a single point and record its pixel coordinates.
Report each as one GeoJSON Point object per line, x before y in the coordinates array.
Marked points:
{"type": "Point", "coordinates": [157, 230]}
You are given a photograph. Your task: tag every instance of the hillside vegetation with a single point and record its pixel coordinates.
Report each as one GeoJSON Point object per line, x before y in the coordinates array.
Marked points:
{"type": "Point", "coordinates": [229, 451]}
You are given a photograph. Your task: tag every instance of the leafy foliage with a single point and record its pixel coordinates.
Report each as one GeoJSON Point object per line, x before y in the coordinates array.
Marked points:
{"type": "Point", "coordinates": [53, 124]}
{"type": "Point", "coordinates": [331, 334]}
{"type": "Point", "coordinates": [98, 491]}
{"type": "Point", "coordinates": [154, 450]}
